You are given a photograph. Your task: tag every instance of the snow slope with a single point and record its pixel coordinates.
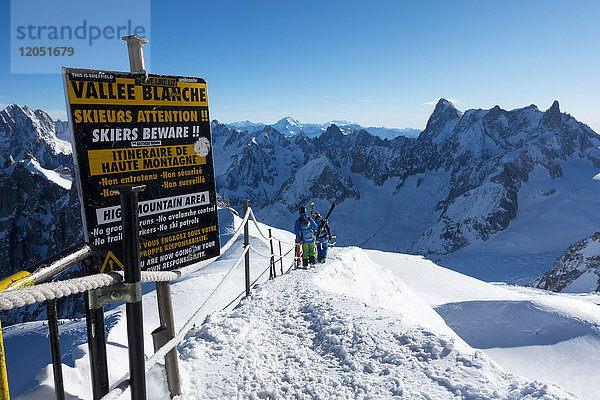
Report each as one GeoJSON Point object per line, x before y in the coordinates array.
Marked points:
{"type": "Point", "coordinates": [349, 329]}
{"type": "Point", "coordinates": [359, 326]}
{"type": "Point", "coordinates": [27, 350]}
{"type": "Point", "coordinates": [33, 166]}
{"type": "Point", "coordinates": [530, 332]}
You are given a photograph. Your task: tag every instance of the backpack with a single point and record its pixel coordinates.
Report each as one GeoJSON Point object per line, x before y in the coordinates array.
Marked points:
{"type": "Point", "coordinates": [307, 231]}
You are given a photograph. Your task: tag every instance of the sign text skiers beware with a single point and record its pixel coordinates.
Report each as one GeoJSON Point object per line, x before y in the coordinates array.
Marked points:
{"type": "Point", "coordinates": [156, 132]}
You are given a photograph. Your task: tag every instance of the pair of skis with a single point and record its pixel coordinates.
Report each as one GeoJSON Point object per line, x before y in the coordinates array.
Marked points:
{"type": "Point", "coordinates": [324, 220]}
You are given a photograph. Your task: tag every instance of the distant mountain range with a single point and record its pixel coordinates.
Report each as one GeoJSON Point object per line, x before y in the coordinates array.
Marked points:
{"type": "Point", "coordinates": [496, 194]}
{"type": "Point", "coordinates": [289, 126]}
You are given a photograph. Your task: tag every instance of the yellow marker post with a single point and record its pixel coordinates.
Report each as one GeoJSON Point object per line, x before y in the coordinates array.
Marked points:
{"type": "Point", "coordinates": [4, 395]}
{"type": "Point", "coordinates": [17, 280]}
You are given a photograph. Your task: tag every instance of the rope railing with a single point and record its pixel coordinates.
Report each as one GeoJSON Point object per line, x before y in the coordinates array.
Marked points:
{"type": "Point", "coordinates": [160, 353]}
{"type": "Point", "coordinates": [19, 297]}
{"type": "Point", "coordinates": [261, 232]}
{"type": "Point", "coordinates": [54, 290]}
{"type": "Point", "coordinates": [164, 276]}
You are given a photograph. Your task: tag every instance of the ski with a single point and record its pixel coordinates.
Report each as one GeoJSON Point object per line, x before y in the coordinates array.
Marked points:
{"type": "Point", "coordinates": [324, 220]}
{"type": "Point", "coordinates": [312, 209]}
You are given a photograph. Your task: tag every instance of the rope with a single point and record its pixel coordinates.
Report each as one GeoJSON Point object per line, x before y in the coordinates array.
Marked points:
{"type": "Point", "coordinates": [285, 255]}
{"type": "Point", "coordinates": [251, 286]}
{"type": "Point", "coordinates": [55, 290]}
{"type": "Point", "coordinates": [262, 234]}
{"type": "Point", "coordinates": [165, 276]}
{"type": "Point", "coordinates": [192, 321]}
{"type": "Point", "coordinates": [265, 255]}
{"type": "Point", "coordinates": [293, 264]}
{"type": "Point", "coordinates": [118, 390]}
{"type": "Point", "coordinates": [260, 253]}
{"type": "Point", "coordinates": [160, 353]}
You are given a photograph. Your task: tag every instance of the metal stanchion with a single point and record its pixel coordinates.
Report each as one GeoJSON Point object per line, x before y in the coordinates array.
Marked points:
{"type": "Point", "coordinates": [94, 319]}
{"type": "Point", "coordinates": [272, 261]}
{"type": "Point", "coordinates": [166, 332]}
{"type": "Point", "coordinates": [133, 280]}
{"type": "Point", "coordinates": [280, 257]}
{"type": "Point", "coordinates": [246, 244]}
{"type": "Point", "coordinates": [59, 388]}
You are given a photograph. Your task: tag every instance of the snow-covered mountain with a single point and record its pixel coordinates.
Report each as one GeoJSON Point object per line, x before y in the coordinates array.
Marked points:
{"type": "Point", "coordinates": [477, 191]}
{"type": "Point", "coordinates": [246, 126]}
{"type": "Point", "coordinates": [290, 127]}
{"type": "Point", "coordinates": [576, 270]}
{"type": "Point", "coordinates": [483, 180]}
{"type": "Point", "coordinates": [39, 213]}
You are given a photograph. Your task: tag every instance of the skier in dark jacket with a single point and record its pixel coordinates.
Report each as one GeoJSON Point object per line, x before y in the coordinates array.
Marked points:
{"type": "Point", "coordinates": [305, 229]}
{"type": "Point", "coordinates": [323, 236]}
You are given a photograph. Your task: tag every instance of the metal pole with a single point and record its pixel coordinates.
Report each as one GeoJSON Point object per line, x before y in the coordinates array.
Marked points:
{"type": "Point", "coordinates": [135, 48]}
{"type": "Point", "coordinates": [47, 269]}
{"type": "Point", "coordinates": [131, 249]}
{"type": "Point", "coordinates": [273, 272]}
{"type": "Point", "coordinates": [4, 394]}
{"type": "Point", "coordinates": [246, 244]}
{"type": "Point", "coordinates": [166, 332]}
{"type": "Point", "coordinates": [59, 388]}
{"type": "Point", "coordinates": [280, 258]}
{"type": "Point", "coordinates": [296, 260]}
{"type": "Point", "coordinates": [94, 320]}
{"type": "Point", "coordinates": [133, 275]}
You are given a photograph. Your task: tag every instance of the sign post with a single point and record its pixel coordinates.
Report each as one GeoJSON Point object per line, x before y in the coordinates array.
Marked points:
{"type": "Point", "coordinates": [145, 137]}
{"type": "Point", "coordinates": [133, 279]}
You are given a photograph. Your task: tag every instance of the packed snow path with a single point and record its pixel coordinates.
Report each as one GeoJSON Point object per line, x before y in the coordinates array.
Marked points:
{"type": "Point", "coordinates": [348, 329]}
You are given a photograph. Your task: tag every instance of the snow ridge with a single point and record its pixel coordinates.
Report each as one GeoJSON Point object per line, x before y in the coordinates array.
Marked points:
{"type": "Point", "coordinates": [293, 338]}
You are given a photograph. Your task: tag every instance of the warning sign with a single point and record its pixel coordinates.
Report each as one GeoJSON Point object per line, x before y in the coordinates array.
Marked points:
{"type": "Point", "coordinates": [156, 132]}
{"type": "Point", "coordinates": [111, 263]}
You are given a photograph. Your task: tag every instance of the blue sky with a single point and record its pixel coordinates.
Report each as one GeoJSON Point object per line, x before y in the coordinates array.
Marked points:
{"type": "Point", "coordinates": [373, 62]}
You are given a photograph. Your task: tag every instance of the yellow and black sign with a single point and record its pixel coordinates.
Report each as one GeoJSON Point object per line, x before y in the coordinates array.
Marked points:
{"type": "Point", "coordinates": [127, 128]}
{"type": "Point", "coordinates": [111, 263]}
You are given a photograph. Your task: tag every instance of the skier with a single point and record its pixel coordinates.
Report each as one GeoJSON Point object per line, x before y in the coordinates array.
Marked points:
{"type": "Point", "coordinates": [304, 229]}
{"type": "Point", "coordinates": [323, 236]}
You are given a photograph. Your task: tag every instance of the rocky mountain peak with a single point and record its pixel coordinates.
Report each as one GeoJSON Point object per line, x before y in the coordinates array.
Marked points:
{"type": "Point", "coordinates": [443, 113]}
{"type": "Point", "coordinates": [554, 108]}
{"type": "Point", "coordinates": [552, 116]}
{"type": "Point", "coordinates": [289, 120]}
{"type": "Point", "coordinates": [332, 135]}
{"type": "Point", "coordinates": [576, 270]}
{"type": "Point", "coordinates": [23, 129]}
{"type": "Point", "coordinates": [288, 126]}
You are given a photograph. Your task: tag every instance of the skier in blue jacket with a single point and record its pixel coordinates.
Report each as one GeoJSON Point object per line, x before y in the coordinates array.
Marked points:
{"type": "Point", "coordinates": [323, 236]}
{"type": "Point", "coordinates": [305, 229]}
